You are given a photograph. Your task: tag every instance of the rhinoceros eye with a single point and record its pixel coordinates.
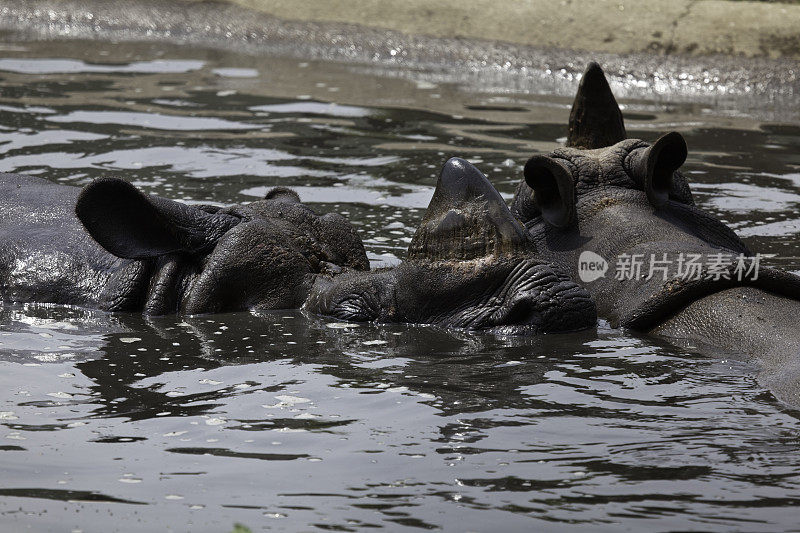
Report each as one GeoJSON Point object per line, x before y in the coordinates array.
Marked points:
{"type": "Point", "coordinates": [355, 308]}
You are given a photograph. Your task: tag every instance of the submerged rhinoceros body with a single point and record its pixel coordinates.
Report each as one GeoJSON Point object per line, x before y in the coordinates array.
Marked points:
{"type": "Point", "coordinates": [470, 265]}
{"type": "Point", "coordinates": [128, 251]}
{"type": "Point", "coordinates": [625, 200]}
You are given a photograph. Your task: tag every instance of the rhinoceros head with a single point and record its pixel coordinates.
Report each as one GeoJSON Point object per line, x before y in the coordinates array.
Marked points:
{"type": "Point", "coordinates": [262, 255]}
{"type": "Point", "coordinates": [470, 266]}
{"type": "Point", "coordinates": [620, 199]}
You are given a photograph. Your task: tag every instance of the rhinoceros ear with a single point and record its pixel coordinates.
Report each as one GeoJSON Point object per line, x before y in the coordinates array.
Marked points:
{"type": "Point", "coordinates": [466, 219]}
{"type": "Point", "coordinates": [134, 225]}
{"type": "Point", "coordinates": [656, 165]}
{"type": "Point", "coordinates": [282, 194]}
{"type": "Point", "coordinates": [595, 120]}
{"type": "Point", "coordinates": [553, 190]}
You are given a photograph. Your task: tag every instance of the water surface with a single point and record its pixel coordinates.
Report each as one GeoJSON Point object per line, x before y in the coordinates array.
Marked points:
{"type": "Point", "coordinates": [285, 421]}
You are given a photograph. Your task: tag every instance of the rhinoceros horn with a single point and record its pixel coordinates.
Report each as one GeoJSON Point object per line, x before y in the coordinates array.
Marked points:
{"type": "Point", "coordinates": [595, 120]}
{"type": "Point", "coordinates": [466, 219]}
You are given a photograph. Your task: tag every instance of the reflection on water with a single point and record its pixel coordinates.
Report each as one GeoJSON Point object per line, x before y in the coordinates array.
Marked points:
{"type": "Point", "coordinates": [30, 65]}
{"type": "Point", "coordinates": [290, 422]}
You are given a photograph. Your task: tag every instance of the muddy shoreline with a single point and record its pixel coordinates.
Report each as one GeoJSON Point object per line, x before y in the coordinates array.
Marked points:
{"type": "Point", "coordinates": [761, 87]}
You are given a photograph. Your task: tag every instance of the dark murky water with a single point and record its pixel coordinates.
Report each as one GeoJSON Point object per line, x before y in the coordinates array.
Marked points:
{"type": "Point", "coordinates": [288, 422]}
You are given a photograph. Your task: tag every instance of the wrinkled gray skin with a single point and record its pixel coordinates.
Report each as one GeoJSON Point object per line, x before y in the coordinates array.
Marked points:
{"type": "Point", "coordinates": [470, 266]}
{"type": "Point", "coordinates": [630, 198]}
{"type": "Point", "coordinates": [129, 251]}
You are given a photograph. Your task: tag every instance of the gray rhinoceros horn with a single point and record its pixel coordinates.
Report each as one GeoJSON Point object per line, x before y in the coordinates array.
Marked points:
{"type": "Point", "coordinates": [466, 219]}
{"type": "Point", "coordinates": [595, 120]}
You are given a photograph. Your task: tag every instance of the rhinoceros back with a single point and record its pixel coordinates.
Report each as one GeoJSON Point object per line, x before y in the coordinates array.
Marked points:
{"type": "Point", "coordinates": [47, 256]}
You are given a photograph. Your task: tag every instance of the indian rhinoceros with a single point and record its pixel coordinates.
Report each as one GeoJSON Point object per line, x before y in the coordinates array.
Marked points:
{"type": "Point", "coordinates": [619, 216]}
{"type": "Point", "coordinates": [130, 251]}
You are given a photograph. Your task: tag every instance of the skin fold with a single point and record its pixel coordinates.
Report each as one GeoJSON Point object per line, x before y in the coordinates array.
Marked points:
{"type": "Point", "coordinates": [470, 266]}
{"type": "Point", "coordinates": [129, 251]}
{"type": "Point", "coordinates": [619, 197]}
